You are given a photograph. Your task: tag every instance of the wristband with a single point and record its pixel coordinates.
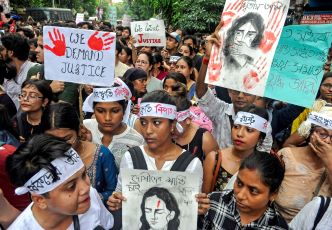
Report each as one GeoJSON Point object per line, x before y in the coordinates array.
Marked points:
{"type": "Point", "coordinates": [205, 60]}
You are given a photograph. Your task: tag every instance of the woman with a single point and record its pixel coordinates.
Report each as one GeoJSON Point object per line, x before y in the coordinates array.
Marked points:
{"type": "Point", "coordinates": [300, 132]}
{"type": "Point", "coordinates": [248, 132]}
{"type": "Point", "coordinates": [145, 62]}
{"type": "Point", "coordinates": [110, 106]}
{"type": "Point", "coordinates": [250, 204]}
{"type": "Point", "coordinates": [159, 153]}
{"type": "Point", "coordinates": [136, 80]}
{"type": "Point", "coordinates": [126, 56]}
{"type": "Point", "coordinates": [35, 96]}
{"type": "Point", "coordinates": [186, 50]}
{"type": "Point", "coordinates": [61, 120]}
{"type": "Point", "coordinates": [167, 214]}
{"type": "Point", "coordinates": [308, 168]}
{"type": "Point", "coordinates": [158, 70]}
{"type": "Point", "coordinates": [185, 66]}
{"type": "Point", "coordinates": [188, 135]}
{"type": "Point", "coordinates": [171, 79]}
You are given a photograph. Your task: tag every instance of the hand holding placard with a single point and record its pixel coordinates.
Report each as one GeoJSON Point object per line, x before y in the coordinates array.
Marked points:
{"type": "Point", "coordinates": [100, 43]}
{"type": "Point", "coordinates": [59, 43]}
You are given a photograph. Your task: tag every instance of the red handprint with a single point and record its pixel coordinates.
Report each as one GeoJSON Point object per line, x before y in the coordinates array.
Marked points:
{"type": "Point", "coordinates": [59, 43]}
{"type": "Point", "coordinates": [100, 43]}
{"type": "Point", "coordinates": [272, 29]}
{"type": "Point", "coordinates": [215, 65]}
{"type": "Point", "coordinates": [251, 80]}
{"type": "Point", "coordinates": [231, 11]}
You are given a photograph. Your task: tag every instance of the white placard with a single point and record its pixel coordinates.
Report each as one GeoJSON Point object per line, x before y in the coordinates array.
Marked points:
{"type": "Point", "coordinates": [79, 56]}
{"type": "Point", "coordinates": [249, 37]}
{"type": "Point", "coordinates": [149, 33]}
{"type": "Point", "coordinates": [79, 18]}
{"type": "Point", "coordinates": [159, 199]}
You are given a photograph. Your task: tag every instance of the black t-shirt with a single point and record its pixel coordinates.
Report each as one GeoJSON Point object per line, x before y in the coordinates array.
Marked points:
{"type": "Point", "coordinates": [9, 104]}
{"type": "Point", "coordinates": [24, 129]}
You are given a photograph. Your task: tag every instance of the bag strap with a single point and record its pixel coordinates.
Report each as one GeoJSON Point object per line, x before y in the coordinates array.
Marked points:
{"type": "Point", "coordinates": [320, 183]}
{"type": "Point", "coordinates": [324, 205]}
{"type": "Point", "coordinates": [137, 158]}
{"type": "Point", "coordinates": [216, 169]}
{"type": "Point", "coordinates": [182, 162]}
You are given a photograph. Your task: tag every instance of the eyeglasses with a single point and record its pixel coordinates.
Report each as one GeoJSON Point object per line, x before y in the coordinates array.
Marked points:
{"type": "Point", "coordinates": [32, 97]}
{"type": "Point", "coordinates": [235, 92]}
{"type": "Point", "coordinates": [142, 62]}
{"type": "Point", "coordinates": [323, 135]}
{"type": "Point", "coordinates": [327, 86]}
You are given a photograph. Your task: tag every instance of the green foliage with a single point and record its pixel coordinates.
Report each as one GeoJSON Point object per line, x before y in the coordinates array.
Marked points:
{"type": "Point", "coordinates": [192, 15]}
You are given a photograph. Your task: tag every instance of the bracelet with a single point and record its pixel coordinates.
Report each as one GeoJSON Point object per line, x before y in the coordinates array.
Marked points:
{"type": "Point", "coordinates": [205, 60]}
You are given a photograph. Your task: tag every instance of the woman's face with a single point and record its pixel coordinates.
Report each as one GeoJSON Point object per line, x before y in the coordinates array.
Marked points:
{"type": "Point", "coordinates": [169, 84]}
{"type": "Point", "coordinates": [245, 34]}
{"type": "Point", "coordinates": [251, 194]}
{"type": "Point", "coordinates": [325, 90]}
{"type": "Point", "coordinates": [31, 100]}
{"type": "Point", "coordinates": [185, 125]}
{"type": "Point", "coordinates": [123, 56]}
{"type": "Point", "coordinates": [140, 85]}
{"type": "Point", "coordinates": [143, 63]}
{"type": "Point", "coordinates": [244, 138]}
{"type": "Point", "coordinates": [156, 131]}
{"type": "Point", "coordinates": [324, 134]}
{"type": "Point", "coordinates": [67, 134]}
{"type": "Point", "coordinates": [182, 67]}
{"type": "Point", "coordinates": [185, 51]}
{"type": "Point", "coordinates": [109, 116]}
{"type": "Point", "coordinates": [156, 213]}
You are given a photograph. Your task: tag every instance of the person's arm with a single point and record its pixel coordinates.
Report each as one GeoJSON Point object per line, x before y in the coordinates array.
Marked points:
{"type": "Point", "coordinates": [209, 143]}
{"type": "Point", "coordinates": [109, 173]}
{"type": "Point", "coordinates": [208, 170]}
{"type": "Point", "coordinates": [201, 87]}
{"type": "Point", "coordinates": [8, 212]}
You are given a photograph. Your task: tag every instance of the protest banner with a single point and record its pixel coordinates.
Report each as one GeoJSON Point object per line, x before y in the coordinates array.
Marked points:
{"type": "Point", "coordinates": [249, 37]}
{"type": "Point", "coordinates": [159, 199]}
{"type": "Point", "coordinates": [149, 33]}
{"type": "Point", "coordinates": [79, 18]}
{"type": "Point", "coordinates": [79, 56]}
{"type": "Point", "coordinates": [297, 67]}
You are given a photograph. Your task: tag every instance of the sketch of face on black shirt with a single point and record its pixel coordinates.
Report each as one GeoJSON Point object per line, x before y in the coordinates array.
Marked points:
{"type": "Point", "coordinates": [156, 213]}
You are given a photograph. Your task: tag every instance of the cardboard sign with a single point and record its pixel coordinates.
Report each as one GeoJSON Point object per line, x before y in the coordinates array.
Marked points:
{"type": "Point", "coordinates": [249, 37]}
{"type": "Point", "coordinates": [297, 67]}
{"type": "Point", "coordinates": [79, 56]}
{"type": "Point", "coordinates": [79, 18]}
{"type": "Point", "coordinates": [159, 199]}
{"type": "Point", "coordinates": [149, 33]}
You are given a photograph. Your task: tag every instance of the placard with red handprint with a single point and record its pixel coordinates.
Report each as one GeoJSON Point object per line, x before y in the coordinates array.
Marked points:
{"type": "Point", "coordinates": [79, 56]}
{"type": "Point", "coordinates": [250, 34]}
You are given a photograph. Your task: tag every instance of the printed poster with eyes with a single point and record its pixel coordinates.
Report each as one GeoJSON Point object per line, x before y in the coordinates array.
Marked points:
{"type": "Point", "coordinates": [79, 56]}
{"type": "Point", "coordinates": [159, 200]}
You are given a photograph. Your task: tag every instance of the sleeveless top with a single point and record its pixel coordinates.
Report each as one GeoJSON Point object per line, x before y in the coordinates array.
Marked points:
{"type": "Point", "coordinates": [196, 144]}
{"type": "Point", "coordinates": [222, 178]}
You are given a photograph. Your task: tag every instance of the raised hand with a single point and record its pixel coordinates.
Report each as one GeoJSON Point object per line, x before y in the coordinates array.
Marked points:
{"type": "Point", "coordinates": [100, 43]}
{"type": "Point", "coordinates": [252, 79]}
{"type": "Point", "coordinates": [272, 29]}
{"type": "Point", "coordinates": [59, 42]}
{"type": "Point", "coordinates": [231, 11]}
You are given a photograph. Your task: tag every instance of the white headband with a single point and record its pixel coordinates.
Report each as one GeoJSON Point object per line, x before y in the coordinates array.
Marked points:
{"type": "Point", "coordinates": [320, 120]}
{"type": "Point", "coordinates": [252, 121]}
{"type": "Point", "coordinates": [42, 181]}
{"type": "Point", "coordinates": [157, 110]}
{"type": "Point", "coordinates": [109, 94]}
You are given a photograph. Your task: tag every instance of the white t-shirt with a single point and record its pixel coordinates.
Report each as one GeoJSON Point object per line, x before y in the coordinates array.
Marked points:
{"type": "Point", "coordinates": [120, 143]}
{"type": "Point", "coordinates": [195, 166]}
{"type": "Point", "coordinates": [97, 215]}
{"type": "Point", "coordinates": [305, 219]}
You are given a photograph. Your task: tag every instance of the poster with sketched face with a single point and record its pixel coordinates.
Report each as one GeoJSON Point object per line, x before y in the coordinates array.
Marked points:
{"type": "Point", "coordinates": [159, 200]}
{"type": "Point", "coordinates": [249, 36]}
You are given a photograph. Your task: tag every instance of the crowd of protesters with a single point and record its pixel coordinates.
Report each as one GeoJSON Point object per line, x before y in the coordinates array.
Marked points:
{"type": "Point", "coordinates": [62, 147]}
